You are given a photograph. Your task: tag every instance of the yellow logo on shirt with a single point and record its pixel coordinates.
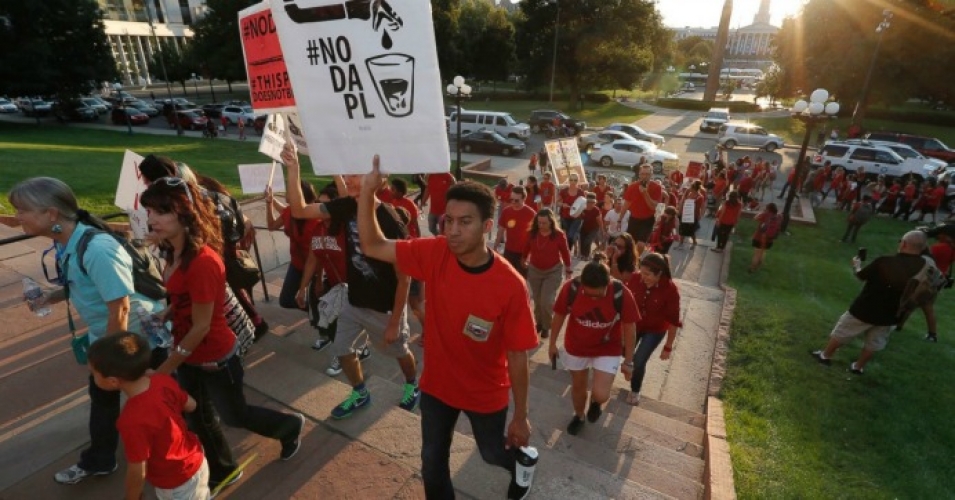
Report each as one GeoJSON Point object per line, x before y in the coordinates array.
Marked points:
{"type": "Point", "coordinates": [511, 223]}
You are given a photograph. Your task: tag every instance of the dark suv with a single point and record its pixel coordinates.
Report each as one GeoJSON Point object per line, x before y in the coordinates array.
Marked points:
{"type": "Point", "coordinates": [928, 146]}
{"type": "Point", "coordinates": [540, 118]}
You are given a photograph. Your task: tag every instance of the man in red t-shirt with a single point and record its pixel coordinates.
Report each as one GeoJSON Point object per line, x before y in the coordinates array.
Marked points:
{"type": "Point", "coordinates": [399, 190]}
{"type": "Point", "coordinates": [478, 331]}
{"type": "Point", "coordinates": [601, 189]}
{"type": "Point", "coordinates": [641, 200]}
{"type": "Point", "coordinates": [438, 185]}
{"type": "Point", "coordinates": [514, 226]}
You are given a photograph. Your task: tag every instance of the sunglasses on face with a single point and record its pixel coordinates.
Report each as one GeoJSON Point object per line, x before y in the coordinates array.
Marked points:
{"type": "Point", "coordinates": [178, 181]}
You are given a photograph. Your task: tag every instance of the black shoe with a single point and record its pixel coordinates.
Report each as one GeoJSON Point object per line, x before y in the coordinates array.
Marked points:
{"type": "Point", "coordinates": [290, 447]}
{"type": "Point", "coordinates": [931, 337]}
{"type": "Point", "coordinates": [234, 479]}
{"type": "Point", "coordinates": [819, 357]}
{"type": "Point", "coordinates": [260, 330]}
{"type": "Point", "coordinates": [575, 425]}
{"type": "Point", "coordinates": [545, 334]}
{"type": "Point", "coordinates": [594, 412]}
{"type": "Point", "coordinates": [853, 369]}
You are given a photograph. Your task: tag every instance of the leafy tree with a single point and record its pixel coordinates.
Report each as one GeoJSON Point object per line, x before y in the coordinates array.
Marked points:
{"type": "Point", "coordinates": [771, 85]}
{"type": "Point", "coordinates": [444, 16]}
{"type": "Point", "coordinates": [693, 50]}
{"type": "Point", "coordinates": [485, 39]}
{"type": "Point", "coordinates": [53, 47]}
{"type": "Point", "coordinates": [217, 41]}
{"type": "Point", "coordinates": [179, 65]}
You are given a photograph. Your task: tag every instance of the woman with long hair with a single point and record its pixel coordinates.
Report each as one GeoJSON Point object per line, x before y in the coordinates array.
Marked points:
{"type": "Point", "coordinates": [545, 254]}
{"type": "Point", "coordinates": [205, 353]}
{"type": "Point", "coordinates": [600, 322]}
{"type": "Point", "coordinates": [623, 257]}
{"type": "Point", "coordinates": [299, 232]}
{"type": "Point", "coordinates": [102, 295]}
{"type": "Point", "coordinates": [658, 304]}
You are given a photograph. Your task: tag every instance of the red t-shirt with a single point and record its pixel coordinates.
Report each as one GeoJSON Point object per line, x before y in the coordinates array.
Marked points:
{"type": "Point", "coordinates": [299, 234]}
{"type": "Point", "coordinates": [719, 187]}
{"type": "Point", "coordinates": [592, 327]}
{"type": "Point", "coordinates": [569, 199]}
{"type": "Point", "coordinates": [909, 192]}
{"type": "Point", "coordinates": [601, 193]}
{"type": "Point", "coordinates": [438, 185]}
{"type": "Point", "coordinates": [547, 191]}
{"type": "Point", "coordinates": [934, 197]}
{"type": "Point", "coordinates": [547, 251]}
{"type": "Point", "coordinates": [329, 249]}
{"type": "Point", "coordinates": [676, 177]}
{"type": "Point", "coordinates": [473, 321]}
{"type": "Point", "coordinates": [203, 282]}
{"type": "Point", "coordinates": [503, 194]}
{"type": "Point", "coordinates": [944, 254]}
{"type": "Point", "coordinates": [639, 209]}
{"type": "Point", "coordinates": [516, 223]}
{"type": "Point", "coordinates": [154, 432]}
{"type": "Point", "coordinates": [412, 209]}
{"type": "Point", "coordinates": [659, 307]}
{"type": "Point", "coordinates": [385, 194]}
{"type": "Point", "coordinates": [729, 214]}
{"type": "Point", "coordinates": [592, 217]}
{"type": "Point", "coordinates": [746, 184]}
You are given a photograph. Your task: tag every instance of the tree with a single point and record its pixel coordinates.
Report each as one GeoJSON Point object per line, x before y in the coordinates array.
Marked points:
{"type": "Point", "coordinates": [217, 41]}
{"type": "Point", "coordinates": [485, 40]}
{"type": "Point", "coordinates": [179, 65]}
{"type": "Point", "coordinates": [444, 17]}
{"type": "Point", "coordinates": [600, 44]}
{"type": "Point", "coordinates": [771, 85]}
{"type": "Point", "coordinates": [45, 51]}
{"type": "Point", "coordinates": [692, 51]}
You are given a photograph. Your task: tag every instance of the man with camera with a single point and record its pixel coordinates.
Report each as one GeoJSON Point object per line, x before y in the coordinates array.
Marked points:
{"type": "Point", "coordinates": [875, 310]}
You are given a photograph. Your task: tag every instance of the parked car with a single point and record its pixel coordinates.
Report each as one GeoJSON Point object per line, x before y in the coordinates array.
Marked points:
{"type": "Point", "coordinates": [233, 114]}
{"type": "Point", "coordinates": [630, 152]}
{"type": "Point", "coordinates": [7, 106]}
{"type": "Point", "coordinates": [713, 118]}
{"type": "Point", "coordinates": [213, 110]}
{"type": "Point", "coordinates": [876, 159]}
{"type": "Point", "coordinates": [587, 143]}
{"type": "Point", "coordinates": [190, 119]}
{"type": "Point", "coordinates": [74, 111]}
{"type": "Point", "coordinates": [502, 123]}
{"type": "Point", "coordinates": [541, 118]}
{"type": "Point", "coordinates": [637, 133]}
{"type": "Point", "coordinates": [144, 107]}
{"type": "Point", "coordinates": [243, 104]}
{"type": "Point", "coordinates": [489, 141]}
{"type": "Point", "coordinates": [101, 108]}
{"type": "Point", "coordinates": [928, 146]}
{"type": "Point", "coordinates": [120, 114]}
{"type": "Point", "coordinates": [34, 107]}
{"type": "Point", "coordinates": [749, 135]}
{"type": "Point", "coordinates": [932, 167]}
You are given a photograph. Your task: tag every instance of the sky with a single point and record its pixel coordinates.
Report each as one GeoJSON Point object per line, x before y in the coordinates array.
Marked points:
{"type": "Point", "coordinates": [706, 13]}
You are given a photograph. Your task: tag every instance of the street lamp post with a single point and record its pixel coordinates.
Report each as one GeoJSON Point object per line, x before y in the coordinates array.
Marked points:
{"type": "Point", "coordinates": [817, 110]}
{"type": "Point", "coordinates": [859, 113]}
{"type": "Point", "coordinates": [458, 91]}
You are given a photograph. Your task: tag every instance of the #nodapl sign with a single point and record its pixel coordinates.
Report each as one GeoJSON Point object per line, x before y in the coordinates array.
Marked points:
{"type": "Point", "coordinates": [269, 85]}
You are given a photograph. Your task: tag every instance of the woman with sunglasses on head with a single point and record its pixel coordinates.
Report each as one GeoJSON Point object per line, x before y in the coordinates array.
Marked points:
{"type": "Point", "coordinates": [102, 295]}
{"type": "Point", "coordinates": [205, 350]}
{"type": "Point", "coordinates": [658, 301]}
{"type": "Point", "coordinates": [601, 315]}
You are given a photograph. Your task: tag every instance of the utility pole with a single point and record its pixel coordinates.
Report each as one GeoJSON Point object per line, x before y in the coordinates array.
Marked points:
{"type": "Point", "coordinates": [716, 64]}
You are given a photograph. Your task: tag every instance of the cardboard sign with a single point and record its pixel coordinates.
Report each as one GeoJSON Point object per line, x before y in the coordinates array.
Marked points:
{"type": "Point", "coordinates": [269, 85]}
{"type": "Point", "coordinates": [273, 137]}
{"type": "Point", "coordinates": [689, 211]}
{"type": "Point", "coordinates": [563, 158]}
{"type": "Point", "coordinates": [131, 185]}
{"type": "Point", "coordinates": [295, 132]}
{"type": "Point", "coordinates": [371, 70]}
{"type": "Point", "coordinates": [255, 178]}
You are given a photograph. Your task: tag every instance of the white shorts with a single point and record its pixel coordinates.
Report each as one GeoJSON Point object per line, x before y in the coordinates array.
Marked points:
{"type": "Point", "coordinates": [196, 488]}
{"type": "Point", "coordinates": [606, 364]}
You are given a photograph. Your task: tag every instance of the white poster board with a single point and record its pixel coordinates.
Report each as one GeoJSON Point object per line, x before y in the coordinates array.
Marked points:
{"type": "Point", "coordinates": [368, 83]}
{"type": "Point", "coordinates": [255, 177]}
{"type": "Point", "coordinates": [563, 158]}
{"type": "Point", "coordinates": [689, 211]}
{"type": "Point", "coordinates": [273, 138]}
{"type": "Point", "coordinates": [130, 186]}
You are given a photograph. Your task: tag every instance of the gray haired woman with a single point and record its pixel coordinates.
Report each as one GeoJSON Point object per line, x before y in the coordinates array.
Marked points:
{"type": "Point", "coordinates": [101, 291]}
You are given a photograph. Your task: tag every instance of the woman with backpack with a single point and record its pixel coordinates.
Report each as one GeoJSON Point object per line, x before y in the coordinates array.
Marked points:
{"type": "Point", "coordinates": [658, 307]}
{"type": "Point", "coordinates": [603, 316]}
{"type": "Point", "coordinates": [768, 222]}
{"type": "Point", "coordinates": [101, 289]}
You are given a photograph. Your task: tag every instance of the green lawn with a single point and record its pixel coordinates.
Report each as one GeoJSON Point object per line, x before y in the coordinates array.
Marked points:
{"type": "Point", "coordinates": [596, 115]}
{"type": "Point", "coordinates": [802, 430]}
{"type": "Point", "coordinates": [89, 160]}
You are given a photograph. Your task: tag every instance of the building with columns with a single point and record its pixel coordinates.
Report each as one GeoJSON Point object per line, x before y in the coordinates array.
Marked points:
{"type": "Point", "coordinates": [130, 25]}
{"type": "Point", "coordinates": [749, 46]}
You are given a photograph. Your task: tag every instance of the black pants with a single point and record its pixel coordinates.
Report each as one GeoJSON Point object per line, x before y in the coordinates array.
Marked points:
{"type": "Point", "coordinates": [852, 230]}
{"type": "Point", "coordinates": [723, 232]}
{"type": "Point", "coordinates": [640, 229]}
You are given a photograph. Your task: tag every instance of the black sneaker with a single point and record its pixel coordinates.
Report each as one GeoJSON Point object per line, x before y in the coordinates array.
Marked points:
{"type": "Point", "coordinates": [545, 333]}
{"type": "Point", "coordinates": [214, 485]}
{"type": "Point", "coordinates": [290, 447]}
{"type": "Point", "coordinates": [575, 425]}
{"type": "Point", "coordinates": [820, 357]}
{"type": "Point", "coordinates": [594, 412]}
{"type": "Point", "coordinates": [260, 330]}
{"type": "Point", "coordinates": [855, 370]}
{"type": "Point", "coordinates": [517, 492]}
{"type": "Point", "coordinates": [931, 337]}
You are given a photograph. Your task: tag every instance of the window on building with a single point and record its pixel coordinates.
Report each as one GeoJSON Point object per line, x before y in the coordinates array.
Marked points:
{"type": "Point", "coordinates": [186, 12]}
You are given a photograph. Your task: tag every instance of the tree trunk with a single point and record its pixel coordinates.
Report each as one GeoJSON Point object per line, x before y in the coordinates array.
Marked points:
{"type": "Point", "coordinates": [184, 91]}
{"type": "Point", "coordinates": [229, 83]}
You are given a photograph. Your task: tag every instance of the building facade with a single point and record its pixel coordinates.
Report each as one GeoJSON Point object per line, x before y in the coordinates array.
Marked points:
{"type": "Point", "coordinates": [135, 27]}
{"type": "Point", "coordinates": [749, 46]}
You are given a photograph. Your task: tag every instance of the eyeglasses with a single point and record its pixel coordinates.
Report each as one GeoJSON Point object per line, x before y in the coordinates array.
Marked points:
{"type": "Point", "coordinates": [178, 181]}
{"type": "Point", "coordinates": [59, 279]}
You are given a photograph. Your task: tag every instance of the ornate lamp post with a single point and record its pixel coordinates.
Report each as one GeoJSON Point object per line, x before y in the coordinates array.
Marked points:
{"type": "Point", "coordinates": [458, 91]}
{"type": "Point", "coordinates": [859, 113]}
{"type": "Point", "coordinates": [817, 110]}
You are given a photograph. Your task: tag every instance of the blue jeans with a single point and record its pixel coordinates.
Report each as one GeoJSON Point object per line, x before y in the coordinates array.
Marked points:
{"type": "Point", "coordinates": [222, 390]}
{"type": "Point", "coordinates": [571, 228]}
{"type": "Point", "coordinates": [647, 342]}
{"type": "Point", "coordinates": [437, 430]}
{"type": "Point", "coordinates": [293, 278]}
{"type": "Point", "coordinates": [104, 411]}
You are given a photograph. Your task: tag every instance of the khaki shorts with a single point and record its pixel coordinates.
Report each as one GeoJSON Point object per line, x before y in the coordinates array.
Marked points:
{"type": "Point", "coordinates": [849, 327]}
{"type": "Point", "coordinates": [353, 321]}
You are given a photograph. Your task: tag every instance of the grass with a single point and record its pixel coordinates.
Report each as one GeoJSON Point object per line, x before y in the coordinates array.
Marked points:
{"type": "Point", "coordinates": [802, 430]}
{"type": "Point", "coordinates": [89, 160]}
{"type": "Point", "coordinates": [596, 115]}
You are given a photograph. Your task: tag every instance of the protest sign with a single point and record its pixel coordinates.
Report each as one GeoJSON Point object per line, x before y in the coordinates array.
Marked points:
{"type": "Point", "coordinates": [689, 211]}
{"type": "Point", "coordinates": [269, 85]}
{"type": "Point", "coordinates": [131, 185]}
{"type": "Point", "coordinates": [373, 84]}
{"type": "Point", "coordinates": [273, 137]}
{"type": "Point", "coordinates": [694, 169]}
{"type": "Point", "coordinates": [563, 158]}
{"type": "Point", "coordinates": [255, 178]}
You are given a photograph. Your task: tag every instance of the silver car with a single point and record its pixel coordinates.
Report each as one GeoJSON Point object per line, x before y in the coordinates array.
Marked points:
{"type": "Point", "coordinates": [750, 135]}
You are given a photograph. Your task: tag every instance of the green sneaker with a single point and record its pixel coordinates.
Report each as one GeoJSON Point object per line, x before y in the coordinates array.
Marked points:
{"type": "Point", "coordinates": [355, 401]}
{"type": "Point", "coordinates": [410, 398]}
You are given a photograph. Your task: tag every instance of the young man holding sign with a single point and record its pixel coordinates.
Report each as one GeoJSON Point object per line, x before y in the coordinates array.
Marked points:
{"type": "Point", "coordinates": [479, 329]}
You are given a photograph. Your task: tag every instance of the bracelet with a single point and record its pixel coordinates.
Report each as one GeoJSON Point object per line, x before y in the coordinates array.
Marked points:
{"type": "Point", "coordinates": [180, 350]}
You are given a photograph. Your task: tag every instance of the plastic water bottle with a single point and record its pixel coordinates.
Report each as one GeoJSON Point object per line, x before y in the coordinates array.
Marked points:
{"type": "Point", "coordinates": [35, 297]}
{"type": "Point", "coordinates": [153, 327]}
{"type": "Point", "coordinates": [526, 462]}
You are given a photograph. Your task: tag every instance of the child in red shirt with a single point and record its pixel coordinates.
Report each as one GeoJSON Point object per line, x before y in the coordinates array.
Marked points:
{"type": "Point", "coordinates": [548, 190]}
{"type": "Point", "coordinates": [159, 447]}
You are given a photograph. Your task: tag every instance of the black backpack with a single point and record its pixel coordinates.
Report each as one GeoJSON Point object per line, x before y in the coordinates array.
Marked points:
{"type": "Point", "coordinates": [147, 278]}
{"type": "Point", "coordinates": [617, 294]}
{"type": "Point", "coordinates": [230, 216]}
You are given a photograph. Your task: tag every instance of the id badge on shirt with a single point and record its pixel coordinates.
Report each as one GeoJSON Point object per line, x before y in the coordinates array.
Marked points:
{"type": "Point", "coordinates": [477, 329]}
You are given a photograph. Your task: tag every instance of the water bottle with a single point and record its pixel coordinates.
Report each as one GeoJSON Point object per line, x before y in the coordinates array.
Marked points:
{"type": "Point", "coordinates": [153, 327]}
{"type": "Point", "coordinates": [526, 462]}
{"type": "Point", "coordinates": [35, 298]}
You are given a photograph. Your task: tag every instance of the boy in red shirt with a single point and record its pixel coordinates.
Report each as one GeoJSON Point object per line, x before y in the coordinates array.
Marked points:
{"type": "Point", "coordinates": [158, 445]}
{"type": "Point", "coordinates": [438, 185]}
{"type": "Point", "coordinates": [399, 189]}
{"type": "Point", "coordinates": [513, 228]}
{"type": "Point", "coordinates": [548, 190]}
{"type": "Point", "coordinates": [479, 331]}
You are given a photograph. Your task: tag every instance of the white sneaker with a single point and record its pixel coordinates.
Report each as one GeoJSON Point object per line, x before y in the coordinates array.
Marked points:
{"type": "Point", "coordinates": [633, 398]}
{"type": "Point", "coordinates": [75, 474]}
{"type": "Point", "coordinates": [321, 343]}
{"type": "Point", "coordinates": [335, 369]}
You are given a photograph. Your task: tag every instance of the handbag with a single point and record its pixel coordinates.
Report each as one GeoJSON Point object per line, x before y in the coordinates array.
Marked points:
{"type": "Point", "coordinates": [241, 271]}
{"type": "Point", "coordinates": [238, 321]}
{"type": "Point", "coordinates": [330, 304]}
